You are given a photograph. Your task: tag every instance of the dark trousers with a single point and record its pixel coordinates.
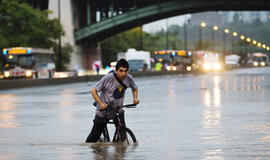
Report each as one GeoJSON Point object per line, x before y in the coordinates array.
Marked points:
{"type": "Point", "coordinates": [99, 125]}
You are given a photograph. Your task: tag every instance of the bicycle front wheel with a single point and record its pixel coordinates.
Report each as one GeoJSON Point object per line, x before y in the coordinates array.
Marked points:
{"type": "Point", "coordinates": [127, 137]}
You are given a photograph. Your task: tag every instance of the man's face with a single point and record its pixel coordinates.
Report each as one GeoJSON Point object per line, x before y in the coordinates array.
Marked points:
{"type": "Point", "coordinates": [121, 73]}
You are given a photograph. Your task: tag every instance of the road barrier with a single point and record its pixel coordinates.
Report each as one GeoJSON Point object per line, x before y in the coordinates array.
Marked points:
{"type": "Point", "coordinates": [6, 84]}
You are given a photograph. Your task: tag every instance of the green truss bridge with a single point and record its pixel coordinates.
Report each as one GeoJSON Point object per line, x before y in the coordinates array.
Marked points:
{"type": "Point", "coordinates": [116, 16]}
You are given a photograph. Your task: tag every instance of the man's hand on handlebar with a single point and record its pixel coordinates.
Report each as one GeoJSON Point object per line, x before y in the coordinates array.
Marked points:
{"type": "Point", "coordinates": [136, 101]}
{"type": "Point", "coordinates": [103, 106]}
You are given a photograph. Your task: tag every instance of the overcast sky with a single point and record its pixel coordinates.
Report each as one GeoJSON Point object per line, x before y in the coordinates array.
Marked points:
{"type": "Point", "coordinates": [158, 25]}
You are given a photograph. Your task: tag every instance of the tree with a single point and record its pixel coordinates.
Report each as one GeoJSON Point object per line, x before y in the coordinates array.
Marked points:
{"type": "Point", "coordinates": [119, 43]}
{"type": "Point", "coordinates": [257, 22]}
{"type": "Point", "coordinates": [66, 54]}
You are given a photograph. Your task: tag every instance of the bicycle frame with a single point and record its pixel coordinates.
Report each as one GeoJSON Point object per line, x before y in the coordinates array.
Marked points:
{"type": "Point", "coordinates": [118, 127]}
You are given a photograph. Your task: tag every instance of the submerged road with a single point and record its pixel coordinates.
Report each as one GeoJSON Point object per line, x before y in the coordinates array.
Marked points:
{"type": "Point", "coordinates": [211, 116]}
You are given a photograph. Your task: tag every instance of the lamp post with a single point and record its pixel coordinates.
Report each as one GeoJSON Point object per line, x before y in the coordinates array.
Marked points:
{"type": "Point", "coordinates": [248, 41]}
{"type": "Point", "coordinates": [242, 37]}
{"type": "Point", "coordinates": [167, 36]}
{"type": "Point", "coordinates": [254, 42]}
{"type": "Point", "coordinates": [185, 33]}
{"type": "Point", "coordinates": [224, 38]}
{"type": "Point", "coordinates": [233, 35]}
{"type": "Point", "coordinates": [185, 36]}
{"type": "Point", "coordinates": [215, 28]}
{"type": "Point", "coordinates": [141, 37]}
{"type": "Point", "coordinates": [203, 24]}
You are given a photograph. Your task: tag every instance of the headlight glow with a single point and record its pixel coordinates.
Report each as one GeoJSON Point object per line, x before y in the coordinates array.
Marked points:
{"type": "Point", "coordinates": [168, 68]}
{"type": "Point", "coordinates": [188, 68]}
{"type": "Point", "coordinates": [206, 66]}
{"type": "Point", "coordinates": [6, 74]}
{"type": "Point", "coordinates": [28, 73]}
{"type": "Point", "coordinates": [255, 64]}
{"type": "Point", "coordinates": [174, 68]}
{"type": "Point", "coordinates": [217, 66]}
{"type": "Point", "coordinates": [263, 64]}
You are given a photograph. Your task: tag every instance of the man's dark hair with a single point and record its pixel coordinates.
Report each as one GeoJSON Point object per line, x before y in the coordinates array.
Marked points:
{"type": "Point", "coordinates": [122, 63]}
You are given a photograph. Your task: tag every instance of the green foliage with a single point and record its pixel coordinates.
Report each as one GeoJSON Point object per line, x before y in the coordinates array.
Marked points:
{"type": "Point", "coordinates": [66, 51]}
{"type": "Point", "coordinates": [21, 25]}
{"type": "Point", "coordinates": [205, 45]}
{"type": "Point", "coordinates": [119, 43]}
{"type": "Point", "coordinates": [132, 39]}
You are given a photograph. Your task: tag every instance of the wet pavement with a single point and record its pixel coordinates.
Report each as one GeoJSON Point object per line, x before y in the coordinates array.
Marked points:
{"type": "Point", "coordinates": [211, 116]}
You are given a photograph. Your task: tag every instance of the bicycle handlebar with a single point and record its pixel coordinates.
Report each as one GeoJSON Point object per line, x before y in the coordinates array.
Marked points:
{"type": "Point", "coordinates": [129, 106]}
{"type": "Point", "coordinates": [123, 106]}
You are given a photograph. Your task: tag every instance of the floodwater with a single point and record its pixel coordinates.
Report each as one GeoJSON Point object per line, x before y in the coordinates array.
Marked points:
{"type": "Point", "coordinates": [212, 116]}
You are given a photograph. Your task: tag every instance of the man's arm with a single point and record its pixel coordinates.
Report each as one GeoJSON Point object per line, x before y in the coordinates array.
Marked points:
{"type": "Point", "coordinates": [135, 96]}
{"type": "Point", "coordinates": [97, 98]}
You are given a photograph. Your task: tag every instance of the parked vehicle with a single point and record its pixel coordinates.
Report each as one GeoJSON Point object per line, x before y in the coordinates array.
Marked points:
{"type": "Point", "coordinates": [232, 61]}
{"type": "Point", "coordinates": [138, 60]}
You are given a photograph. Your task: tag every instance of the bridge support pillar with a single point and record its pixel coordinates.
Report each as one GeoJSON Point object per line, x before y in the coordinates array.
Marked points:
{"type": "Point", "coordinates": [91, 53]}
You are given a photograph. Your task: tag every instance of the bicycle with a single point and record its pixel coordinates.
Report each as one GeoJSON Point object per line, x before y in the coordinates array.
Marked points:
{"type": "Point", "coordinates": [122, 134]}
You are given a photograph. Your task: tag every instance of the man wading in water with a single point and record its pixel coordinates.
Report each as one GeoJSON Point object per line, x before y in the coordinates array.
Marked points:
{"type": "Point", "coordinates": [112, 89]}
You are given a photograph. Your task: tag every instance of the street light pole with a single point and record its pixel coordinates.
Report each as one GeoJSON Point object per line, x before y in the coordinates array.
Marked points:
{"type": "Point", "coordinates": [233, 35]}
{"type": "Point", "coordinates": [248, 40]}
{"type": "Point", "coordinates": [224, 39]}
{"type": "Point", "coordinates": [185, 29]}
{"type": "Point", "coordinates": [167, 36]}
{"type": "Point", "coordinates": [215, 28]}
{"type": "Point", "coordinates": [242, 37]}
{"type": "Point", "coordinates": [141, 37]}
{"type": "Point", "coordinates": [200, 34]}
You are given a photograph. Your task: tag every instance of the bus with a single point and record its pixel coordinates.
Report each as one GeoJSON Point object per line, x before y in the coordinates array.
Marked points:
{"type": "Point", "coordinates": [174, 59]}
{"type": "Point", "coordinates": [24, 62]}
{"type": "Point", "coordinates": [258, 59]}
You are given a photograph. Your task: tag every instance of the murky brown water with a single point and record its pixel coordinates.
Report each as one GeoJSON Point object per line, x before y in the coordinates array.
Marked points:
{"type": "Point", "coordinates": [214, 116]}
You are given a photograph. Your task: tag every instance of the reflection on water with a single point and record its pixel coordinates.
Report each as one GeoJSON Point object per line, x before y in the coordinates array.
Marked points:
{"type": "Point", "coordinates": [8, 156]}
{"type": "Point", "coordinates": [213, 154]}
{"type": "Point", "coordinates": [212, 97]}
{"type": "Point", "coordinates": [66, 102]}
{"type": "Point", "coordinates": [202, 117]}
{"type": "Point", "coordinates": [111, 152]}
{"type": "Point", "coordinates": [66, 153]}
{"type": "Point", "coordinates": [66, 96]}
{"type": "Point", "coordinates": [171, 93]}
{"type": "Point", "coordinates": [211, 134]}
{"type": "Point", "coordinates": [245, 83]}
{"type": "Point", "coordinates": [207, 98]}
{"type": "Point", "coordinates": [7, 114]}
{"type": "Point", "coordinates": [7, 120]}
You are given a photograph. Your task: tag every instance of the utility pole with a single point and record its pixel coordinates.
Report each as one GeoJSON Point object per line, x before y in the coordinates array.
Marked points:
{"type": "Point", "coordinates": [167, 35]}
{"type": "Point", "coordinates": [141, 37]}
{"type": "Point", "coordinates": [185, 29]}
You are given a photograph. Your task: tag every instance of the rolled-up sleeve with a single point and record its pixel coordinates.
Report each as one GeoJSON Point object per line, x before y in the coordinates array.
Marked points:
{"type": "Point", "coordinates": [100, 85]}
{"type": "Point", "coordinates": [132, 84]}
